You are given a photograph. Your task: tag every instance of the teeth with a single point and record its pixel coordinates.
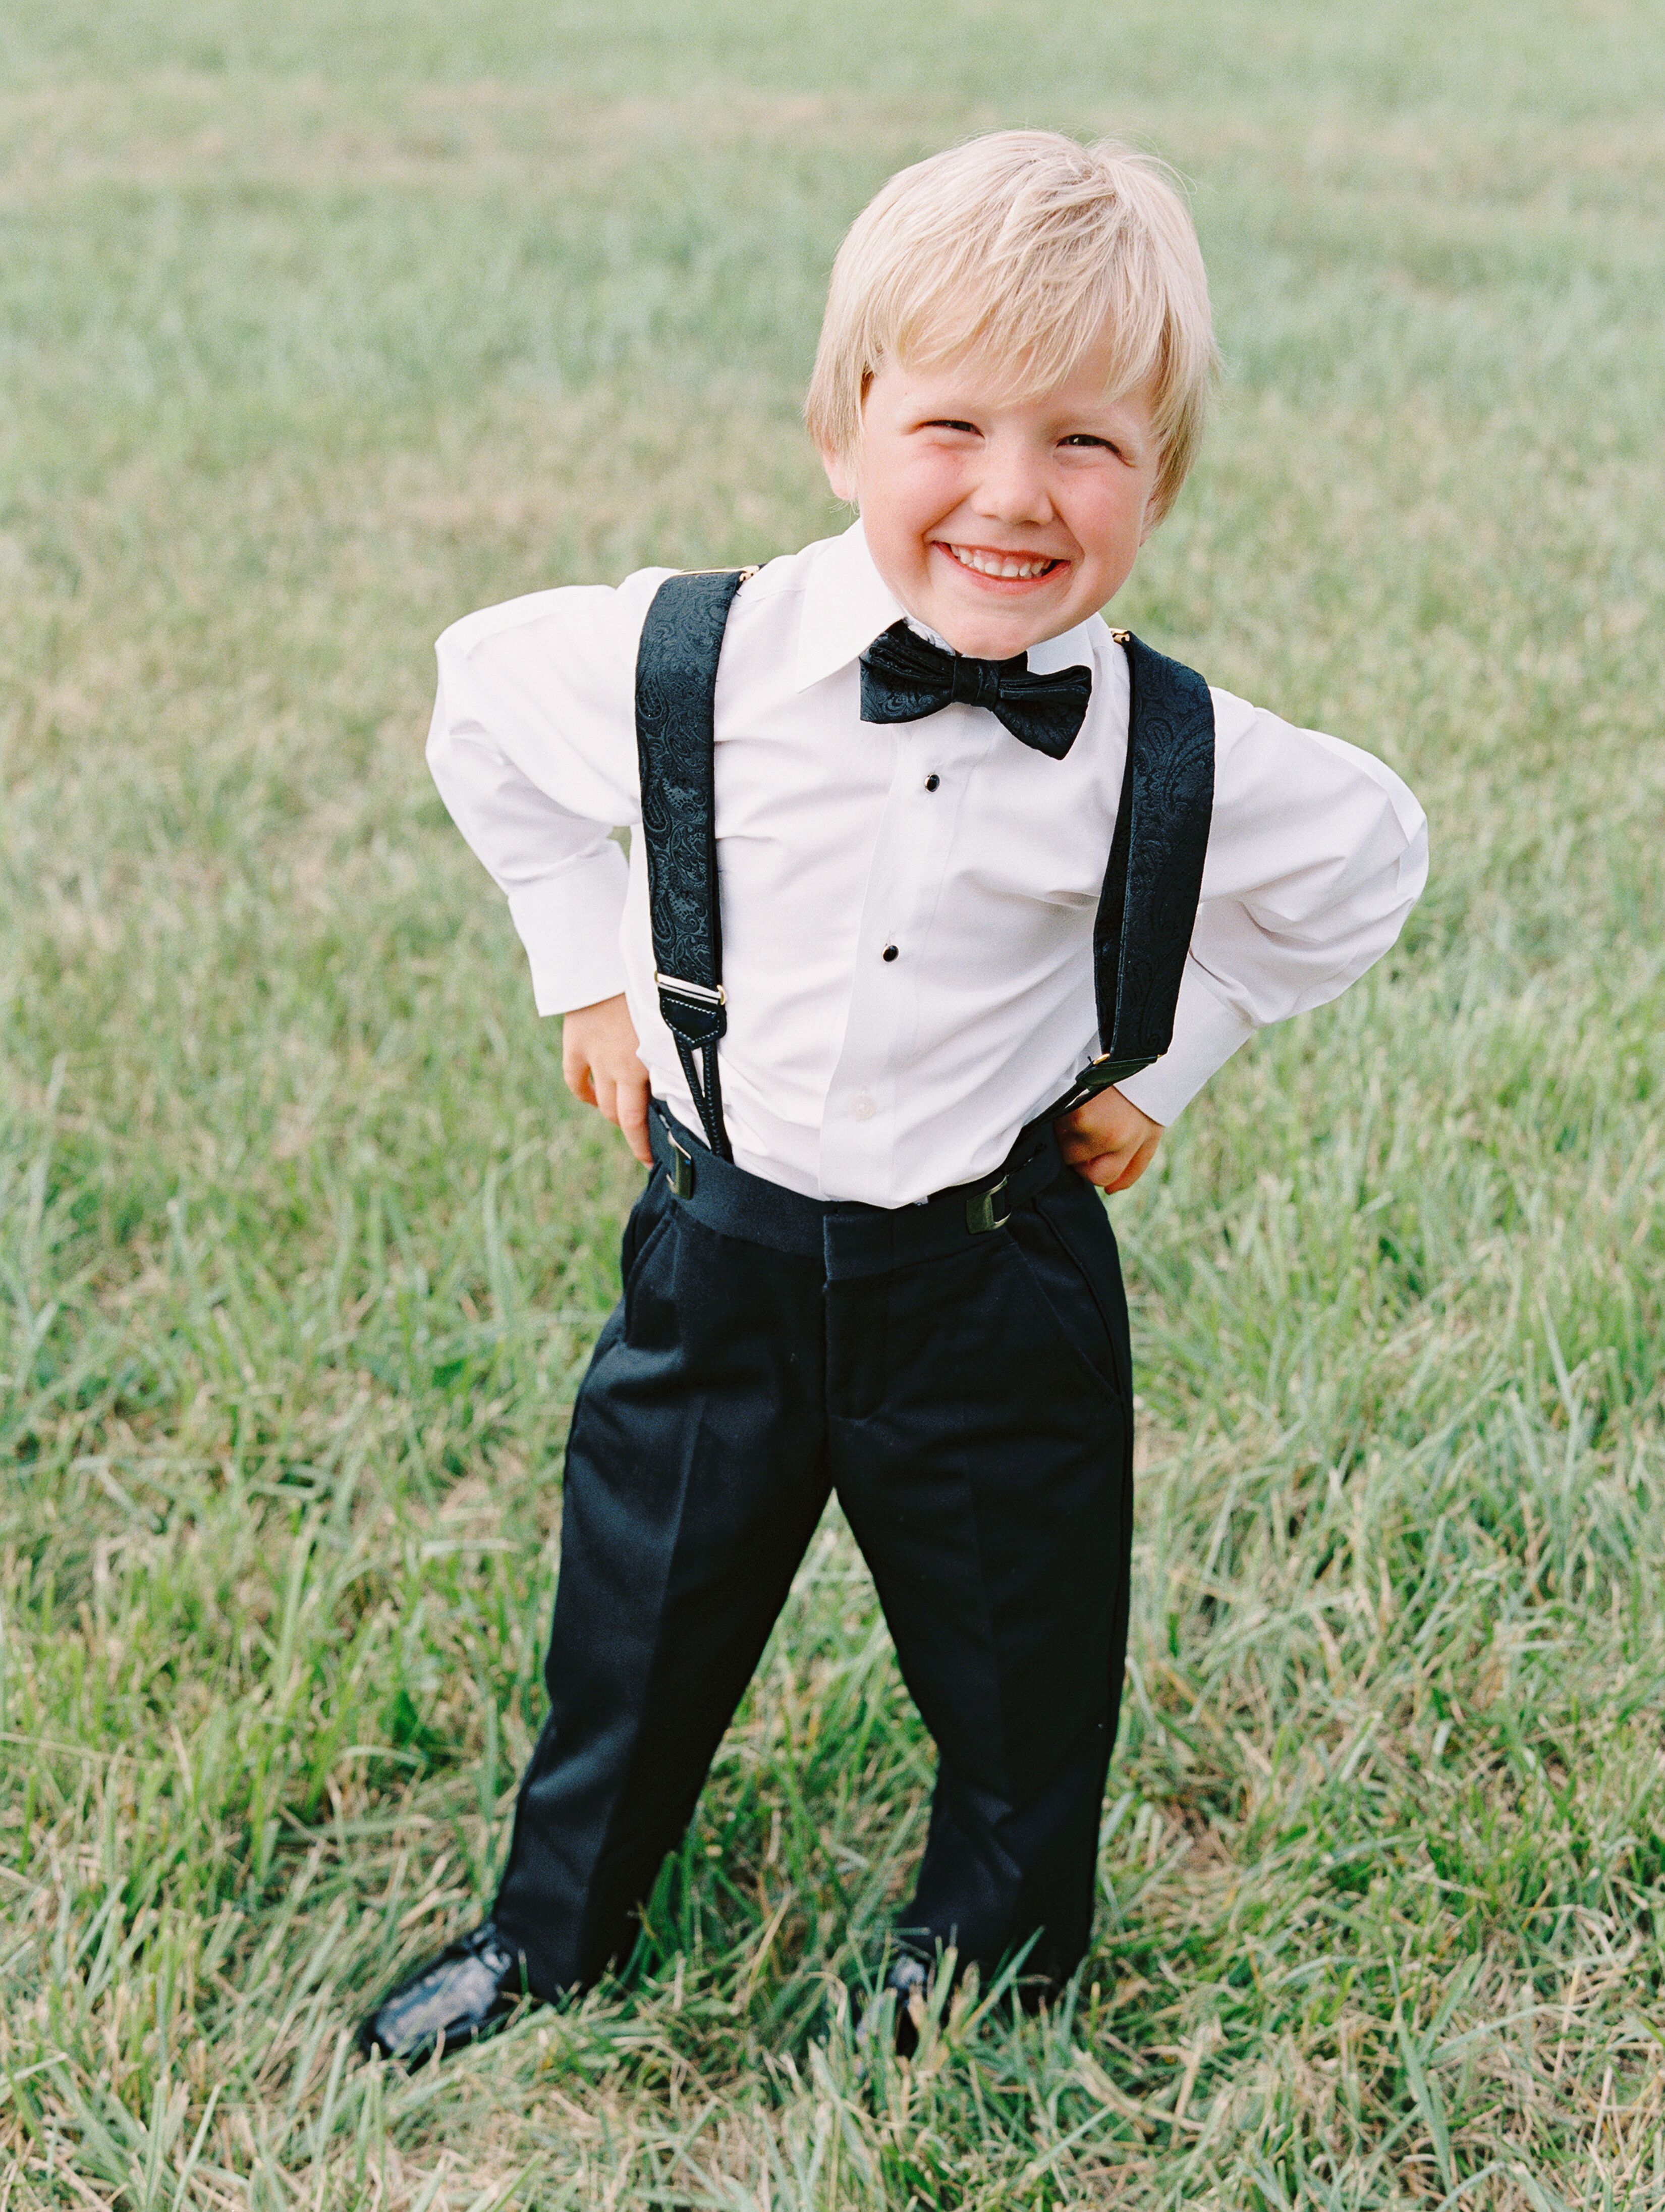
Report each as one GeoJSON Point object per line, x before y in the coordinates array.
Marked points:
{"type": "Point", "coordinates": [999, 564]}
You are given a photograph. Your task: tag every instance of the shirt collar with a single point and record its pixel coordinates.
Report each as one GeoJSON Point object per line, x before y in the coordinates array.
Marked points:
{"type": "Point", "coordinates": [847, 602]}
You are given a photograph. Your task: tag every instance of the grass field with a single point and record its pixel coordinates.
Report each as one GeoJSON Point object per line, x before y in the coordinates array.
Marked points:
{"type": "Point", "coordinates": [320, 324]}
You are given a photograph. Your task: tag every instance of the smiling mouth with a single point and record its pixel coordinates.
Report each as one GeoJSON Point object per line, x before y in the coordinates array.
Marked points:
{"type": "Point", "coordinates": [1005, 568]}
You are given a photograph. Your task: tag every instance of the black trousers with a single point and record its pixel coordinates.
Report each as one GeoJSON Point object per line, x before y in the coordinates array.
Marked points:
{"type": "Point", "coordinates": [972, 1407]}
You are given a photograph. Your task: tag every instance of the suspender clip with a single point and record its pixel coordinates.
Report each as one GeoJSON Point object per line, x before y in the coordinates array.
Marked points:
{"type": "Point", "coordinates": [699, 992]}
{"type": "Point", "coordinates": [980, 1214]}
{"type": "Point", "coordinates": [682, 1166]}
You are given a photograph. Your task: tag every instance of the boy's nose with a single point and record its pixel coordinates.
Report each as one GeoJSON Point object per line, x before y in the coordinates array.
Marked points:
{"type": "Point", "coordinates": [1013, 488]}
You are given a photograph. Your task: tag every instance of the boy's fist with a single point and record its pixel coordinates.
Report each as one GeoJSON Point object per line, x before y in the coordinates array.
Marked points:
{"type": "Point", "coordinates": [598, 1060]}
{"type": "Point", "coordinates": [1107, 1141]}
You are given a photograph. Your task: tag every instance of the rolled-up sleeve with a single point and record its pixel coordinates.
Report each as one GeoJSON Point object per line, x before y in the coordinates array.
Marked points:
{"type": "Point", "coordinates": [533, 746]}
{"type": "Point", "coordinates": [1316, 854]}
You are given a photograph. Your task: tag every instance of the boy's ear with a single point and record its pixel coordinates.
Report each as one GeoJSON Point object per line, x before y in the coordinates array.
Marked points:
{"type": "Point", "coordinates": [841, 475]}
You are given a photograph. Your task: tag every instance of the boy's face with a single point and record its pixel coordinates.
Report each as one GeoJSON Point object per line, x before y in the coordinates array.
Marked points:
{"type": "Point", "coordinates": [999, 522]}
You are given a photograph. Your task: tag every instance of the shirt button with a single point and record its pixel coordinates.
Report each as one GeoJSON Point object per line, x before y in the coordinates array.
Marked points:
{"type": "Point", "coordinates": [862, 1108]}
{"type": "Point", "coordinates": [932, 782]}
{"type": "Point", "coordinates": [889, 953]}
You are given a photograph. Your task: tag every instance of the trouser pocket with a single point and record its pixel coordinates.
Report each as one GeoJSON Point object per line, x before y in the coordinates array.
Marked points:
{"type": "Point", "coordinates": [1077, 1278]}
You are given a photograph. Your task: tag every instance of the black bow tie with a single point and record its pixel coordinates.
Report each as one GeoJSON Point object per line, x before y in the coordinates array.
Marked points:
{"type": "Point", "coordinates": [904, 678]}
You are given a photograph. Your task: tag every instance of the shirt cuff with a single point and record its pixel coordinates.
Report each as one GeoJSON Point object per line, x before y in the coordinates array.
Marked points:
{"type": "Point", "coordinates": [1207, 1032]}
{"type": "Point", "coordinates": [569, 923]}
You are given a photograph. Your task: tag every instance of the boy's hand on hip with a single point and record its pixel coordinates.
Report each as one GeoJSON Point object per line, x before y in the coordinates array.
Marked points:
{"type": "Point", "coordinates": [598, 1060]}
{"type": "Point", "coordinates": [1107, 1141]}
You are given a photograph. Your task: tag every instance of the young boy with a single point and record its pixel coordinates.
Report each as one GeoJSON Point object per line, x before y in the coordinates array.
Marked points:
{"type": "Point", "coordinates": [927, 858]}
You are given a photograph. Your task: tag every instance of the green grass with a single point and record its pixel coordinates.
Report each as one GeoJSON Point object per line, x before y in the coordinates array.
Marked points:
{"type": "Point", "coordinates": [320, 324]}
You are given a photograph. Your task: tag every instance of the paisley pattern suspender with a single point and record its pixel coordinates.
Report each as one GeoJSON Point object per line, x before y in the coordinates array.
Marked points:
{"type": "Point", "coordinates": [1148, 906]}
{"type": "Point", "coordinates": [682, 641]}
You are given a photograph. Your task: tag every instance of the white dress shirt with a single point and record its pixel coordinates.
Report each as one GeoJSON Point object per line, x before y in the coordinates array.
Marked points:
{"type": "Point", "coordinates": [846, 1075]}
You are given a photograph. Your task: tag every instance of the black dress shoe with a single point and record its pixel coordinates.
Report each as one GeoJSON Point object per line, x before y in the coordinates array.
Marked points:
{"type": "Point", "coordinates": [907, 1982]}
{"type": "Point", "coordinates": [472, 1987]}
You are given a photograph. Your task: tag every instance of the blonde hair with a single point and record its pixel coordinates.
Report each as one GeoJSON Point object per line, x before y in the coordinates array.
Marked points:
{"type": "Point", "coordinates": [1030, 248]}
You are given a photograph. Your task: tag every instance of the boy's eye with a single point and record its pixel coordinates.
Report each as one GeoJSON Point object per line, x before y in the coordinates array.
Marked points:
{"type": "Point", "coordinates": [946, 422]}
{"type": "Point", "coordinates": [1086, 438]}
